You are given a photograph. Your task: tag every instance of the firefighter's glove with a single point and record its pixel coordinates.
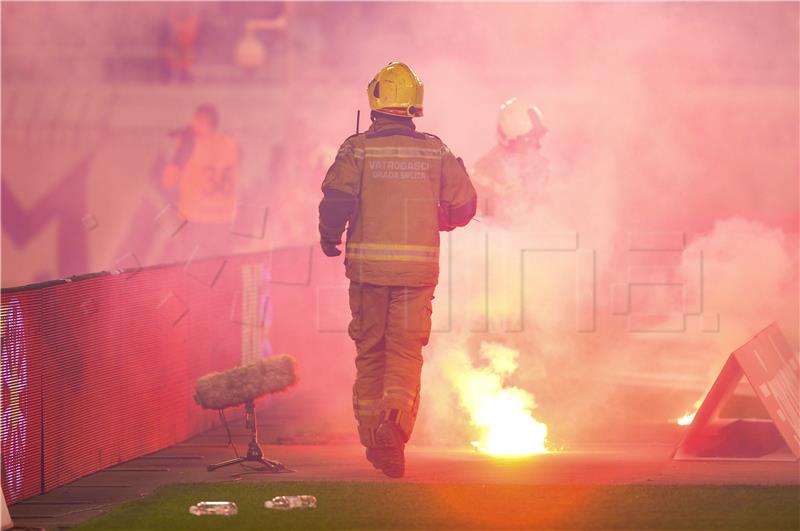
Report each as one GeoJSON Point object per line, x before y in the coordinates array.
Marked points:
{"type": "Point", "coordinates": [444, 219]}
{"type": "Point", "coordinates": [330, 248]}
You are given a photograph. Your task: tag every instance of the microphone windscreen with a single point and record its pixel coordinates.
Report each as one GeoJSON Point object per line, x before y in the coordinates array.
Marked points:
{"type": "Point", "coordinates": [219, 390]}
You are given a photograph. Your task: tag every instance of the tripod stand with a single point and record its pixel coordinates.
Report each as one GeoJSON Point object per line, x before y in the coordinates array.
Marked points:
{"type": "Point", "coordinates": [254, 453]}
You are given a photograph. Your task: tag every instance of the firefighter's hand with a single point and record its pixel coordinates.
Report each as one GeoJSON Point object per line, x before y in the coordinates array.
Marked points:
{"type": "Point", "coordinates": [330, 248]}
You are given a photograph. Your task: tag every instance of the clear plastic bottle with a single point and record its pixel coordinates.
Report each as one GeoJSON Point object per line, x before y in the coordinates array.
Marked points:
{"type": "Point", "coordinates": [223, 508]}
{"type": "Point", "coordinates": [285, 503]}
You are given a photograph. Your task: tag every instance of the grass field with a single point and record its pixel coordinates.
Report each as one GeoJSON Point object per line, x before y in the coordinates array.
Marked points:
{"type": "Point", "coordinates": [352, 505]}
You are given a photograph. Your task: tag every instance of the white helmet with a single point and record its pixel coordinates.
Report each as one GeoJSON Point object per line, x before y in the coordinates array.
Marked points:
{"type": "Point", "coordinates": [519, 121]}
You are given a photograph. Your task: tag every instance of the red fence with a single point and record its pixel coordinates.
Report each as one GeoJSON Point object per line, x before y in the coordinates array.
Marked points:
{"type": "Point", "coordinates": [100, 369]}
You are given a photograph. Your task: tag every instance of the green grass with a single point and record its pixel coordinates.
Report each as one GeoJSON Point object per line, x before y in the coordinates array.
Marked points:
{"type": "Point", "coordinates": [385, 505]}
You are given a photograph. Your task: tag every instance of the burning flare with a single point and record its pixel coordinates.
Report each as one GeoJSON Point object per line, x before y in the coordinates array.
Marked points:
{"type": "Point", "coordinates": [689, 417]}
{"type": "Point", "coordinates": [686, 419]}
{"type": "Point", "coordinates": [503, 415]}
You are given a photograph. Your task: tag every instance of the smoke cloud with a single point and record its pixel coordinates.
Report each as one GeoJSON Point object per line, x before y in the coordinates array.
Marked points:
{"type": "Point", "coordinates": [665, 236]}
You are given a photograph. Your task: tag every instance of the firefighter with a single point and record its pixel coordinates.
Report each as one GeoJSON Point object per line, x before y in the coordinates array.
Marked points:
{"type": "Point", "coordinates": [514, 172]}
{"type": "Point", "coordinates": [393, 189]}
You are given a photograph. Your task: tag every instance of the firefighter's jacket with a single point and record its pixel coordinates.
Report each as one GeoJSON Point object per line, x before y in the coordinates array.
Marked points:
{"type": "Point", "coordinates": [395, 188]}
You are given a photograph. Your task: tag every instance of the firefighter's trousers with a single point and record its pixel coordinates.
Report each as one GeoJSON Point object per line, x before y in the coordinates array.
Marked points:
{"type": "Point", "coordinates": [390, 325]}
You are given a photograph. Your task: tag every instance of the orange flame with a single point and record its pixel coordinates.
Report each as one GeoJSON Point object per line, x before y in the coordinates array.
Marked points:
{"type": "Point", "coordinates": [502, 415]}
{"type": "Point", "coordinates": [687, 419]}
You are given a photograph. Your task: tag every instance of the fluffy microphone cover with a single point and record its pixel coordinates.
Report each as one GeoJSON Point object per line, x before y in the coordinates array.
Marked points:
{"type": "Point", "coordinates": [236, 386]}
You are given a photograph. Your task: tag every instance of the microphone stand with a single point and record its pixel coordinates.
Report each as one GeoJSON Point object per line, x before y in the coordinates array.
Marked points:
{"type": "Point", "coordinates": [254, 453]}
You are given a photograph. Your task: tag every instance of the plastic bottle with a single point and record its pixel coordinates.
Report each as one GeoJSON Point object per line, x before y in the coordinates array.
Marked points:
{"type": "Point", "coordinates": [285, 503]}
{"type": "Point", "coordinates": [223, 508]}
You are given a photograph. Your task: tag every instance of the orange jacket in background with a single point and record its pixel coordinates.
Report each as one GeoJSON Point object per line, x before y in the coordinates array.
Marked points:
{"type": "Point", "coordinates": [207, 182]}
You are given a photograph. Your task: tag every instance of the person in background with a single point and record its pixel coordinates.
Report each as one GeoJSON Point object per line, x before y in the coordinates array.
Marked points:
{"type": "Point", "coordinates": [514, 172]}
{"type": "Point", "coordinates": [394, 189]}
{"type": "Point", "coordinates": [205, 170]}
{"type": "Point", "coordinates": [178, 39]}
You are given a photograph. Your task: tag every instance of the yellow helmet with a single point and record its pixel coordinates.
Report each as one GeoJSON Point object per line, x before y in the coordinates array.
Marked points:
{"type": "Point", "coordinates": [396, 90]}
